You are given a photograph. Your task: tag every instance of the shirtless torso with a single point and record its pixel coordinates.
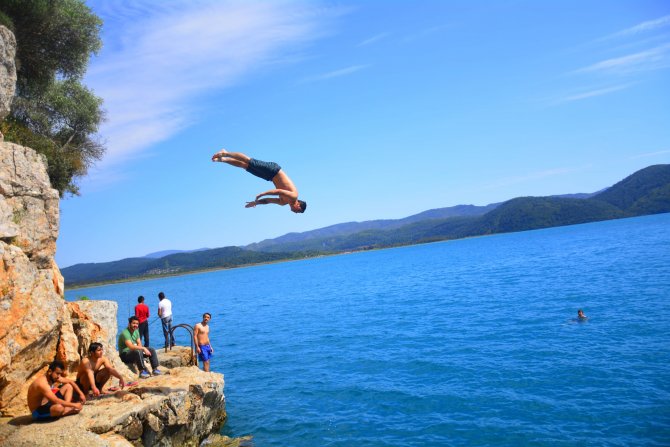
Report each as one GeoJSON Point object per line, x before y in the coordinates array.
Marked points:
{"type": "Point", "coordinates": [38, 391]}
{"type": "Point", "coordinates": [44, 402]}
{"type": "Point", "coordinates": [289, 193]}
{"type": "Point", "coordinates": [86, 365]}
{"type": "Point", "coordinates": [202, 334]}
{"type": "Point", "coordinates": [95, 370]}
{"type": "Point", "coordinates": [202, 344]}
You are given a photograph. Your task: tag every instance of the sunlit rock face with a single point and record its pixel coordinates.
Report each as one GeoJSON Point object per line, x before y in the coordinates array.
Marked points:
{"type": "Point", "coordinates": [35, 323]}
{"type": "Point", "coordinates": [95, 321]}
{"type": "Point", "coordinates": [35, 326]}
{"type": "Point", "coordinates": [181, 408]}
{"type": "Point", "coordinates": [7, 70]}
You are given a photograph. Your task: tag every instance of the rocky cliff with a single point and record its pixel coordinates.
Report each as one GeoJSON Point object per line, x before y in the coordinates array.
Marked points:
{"type": "Point", "coordinates": [37, 326]}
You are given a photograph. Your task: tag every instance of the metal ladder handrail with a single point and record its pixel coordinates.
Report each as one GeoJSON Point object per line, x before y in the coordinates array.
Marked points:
{"type": "Point", "coordinates": [189, 328]}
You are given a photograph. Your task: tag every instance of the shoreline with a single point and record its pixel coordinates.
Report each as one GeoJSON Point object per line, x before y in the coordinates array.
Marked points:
{"type": "Point", "coordinates": [189, 272]}
{"type": "Point", "coordinates": [215, 269]}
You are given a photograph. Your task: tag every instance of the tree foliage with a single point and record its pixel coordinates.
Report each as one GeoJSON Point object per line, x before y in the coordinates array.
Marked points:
{"type": "Point", "coordinates": [53, 112]}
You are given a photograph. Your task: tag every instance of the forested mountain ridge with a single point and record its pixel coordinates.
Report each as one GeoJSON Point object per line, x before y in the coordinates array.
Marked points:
{"type": "Point", "coordinates": [644, 192]}
{"type": "Point", "coordinates": [349, 228]}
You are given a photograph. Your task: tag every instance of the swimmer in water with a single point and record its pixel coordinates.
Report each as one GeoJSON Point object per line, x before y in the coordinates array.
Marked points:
{"type": "Point", "coordinates": [581, 316]}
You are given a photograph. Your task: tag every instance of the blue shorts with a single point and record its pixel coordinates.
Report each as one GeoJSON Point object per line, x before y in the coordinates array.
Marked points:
{"type": "Point", "coordinates": [263, 169]}
{"type": "Point", "coordinates": [205, 353]}
{"type": "Point", "coordinates": [44, 411]}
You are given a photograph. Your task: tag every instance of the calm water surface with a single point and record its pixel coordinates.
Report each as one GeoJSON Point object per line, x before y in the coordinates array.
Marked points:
{"type": "Point", "coordinates": [468, 342]}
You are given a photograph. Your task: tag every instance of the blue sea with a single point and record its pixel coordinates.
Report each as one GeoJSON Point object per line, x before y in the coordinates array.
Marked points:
{"type": "Point", "coordinates": [467, 342]}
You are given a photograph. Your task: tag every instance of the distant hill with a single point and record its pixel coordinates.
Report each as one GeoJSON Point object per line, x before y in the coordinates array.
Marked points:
{"type": "Point", "coordinates": [160, 254]}
{"type": "Point", "coordinates": [528, 213]}
{"type": "Point", "coordinates": [319, 239]}
{"type": "Point", "coordinates": [644, 192]}
{"type": "Point", "coordinates": [124, 269]}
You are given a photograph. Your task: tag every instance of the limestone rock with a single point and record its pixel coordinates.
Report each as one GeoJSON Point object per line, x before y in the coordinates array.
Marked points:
{"type": "Point", "coordinates": [25, 186]}
{"type": "Point", "coordinates": [177, 356]}
{"type": "Point", "coordinates": [35, 326]}
{"type": "Point", "coordinates": [7, 70]}
{"type": "Point", "coordinates": [8, 229]}
{"type": "Point", "coordinates": [178, 409]}
{"type": "Point", "coordinates": [95, 321]}
{"type": "Point", "coordinates": [31, 318]}
{"type": "Point", "coordinates": [224, 441]}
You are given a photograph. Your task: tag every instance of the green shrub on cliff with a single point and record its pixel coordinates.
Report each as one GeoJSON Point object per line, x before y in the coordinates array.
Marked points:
{"type": "Point", "coordinates": [52, 111]}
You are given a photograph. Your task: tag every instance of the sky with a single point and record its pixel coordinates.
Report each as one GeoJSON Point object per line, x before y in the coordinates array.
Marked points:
{"type": "Point", "coordinates": [375, 109]}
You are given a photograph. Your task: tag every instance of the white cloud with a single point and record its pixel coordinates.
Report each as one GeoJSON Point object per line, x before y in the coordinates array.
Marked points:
{"type": "Point", "coordinates": [592, 93]}
{"type": "Point", "coordinates": [643, 27]}
{"type": "Point", "coordinates": [169, 54]}
{"type": "Point", "coordinates": [373, 39]}
{"type": "Point", "coordinates": [534, 176]}
{"type": "Point", "coordinates": [642, 58]}
{"type": "Point", "coordinates": [336, 73]}
{"type": "Point", "coordinates": [651, 59]}
{"type": "Point", "coordinates": [650, 154]}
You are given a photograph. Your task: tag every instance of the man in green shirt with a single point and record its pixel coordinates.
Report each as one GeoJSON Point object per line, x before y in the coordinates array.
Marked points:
{"type": "Point", "coordinates": [131, 350]}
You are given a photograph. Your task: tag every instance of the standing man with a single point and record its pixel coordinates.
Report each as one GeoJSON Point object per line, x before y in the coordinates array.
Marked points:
{"type": "Point", "coordinates": [142, 312]}
{"type": "Point", "coordinates": [95, 370]}
{"type": "Point", "coordinates": [165, 312]}
{"type": "Point", "coordinates": [285, 190]}
{"type": "Point", "coordinates": [131, 350]}
{"type": "Point", "coordinates": [46, 401]}
{"type": "Point", "coordinates": [201, 338]}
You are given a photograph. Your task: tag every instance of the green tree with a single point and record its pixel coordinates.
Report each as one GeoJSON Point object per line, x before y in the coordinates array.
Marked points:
{"type": "Point", "coordinates": [53, 112]}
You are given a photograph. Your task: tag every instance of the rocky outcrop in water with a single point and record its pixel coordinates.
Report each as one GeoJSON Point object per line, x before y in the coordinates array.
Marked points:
{"type": "Point", "coordinates": [181, 408]}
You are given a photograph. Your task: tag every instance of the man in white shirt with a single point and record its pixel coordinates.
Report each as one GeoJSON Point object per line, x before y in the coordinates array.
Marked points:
{"type": "Point", "coordinates": [165, 313]}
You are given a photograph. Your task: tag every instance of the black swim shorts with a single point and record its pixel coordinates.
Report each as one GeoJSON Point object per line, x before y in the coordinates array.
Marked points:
{"type": "Point", "coordinates": [263, 169]}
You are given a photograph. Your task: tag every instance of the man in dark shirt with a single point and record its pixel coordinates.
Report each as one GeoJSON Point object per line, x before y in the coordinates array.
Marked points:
{"type": "Point", "coordinates": [142, 313]}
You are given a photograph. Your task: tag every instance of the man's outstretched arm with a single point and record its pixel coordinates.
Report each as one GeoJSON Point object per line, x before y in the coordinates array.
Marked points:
{"type": "Point", "coordinates": [287, 195]}
{"type": "Point", "coordinates": [262, 202]}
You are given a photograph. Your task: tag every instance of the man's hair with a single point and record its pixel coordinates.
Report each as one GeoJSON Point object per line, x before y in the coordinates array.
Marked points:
{"type": "Point", "coordinates": [133, 318]}
{"type": "Point", "coordinates": [94, 347]}
{"type": "Point", "coordinates": [140, 299]}
{"type": "Point", "coordinates": [206, 313]}
{"type": "Point", "coordinates": [303, 205]}
{"type": "Point", "coordinates": [56, 364]}
{"type": "Point", "coordinates": [161, 295]}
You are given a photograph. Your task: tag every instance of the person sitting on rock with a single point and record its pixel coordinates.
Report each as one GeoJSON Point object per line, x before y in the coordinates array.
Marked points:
{"type": "Point", "coordinates": [46, 400]}
{"type": "Point", "coordinates": [132, 352]}
{"type": "Point", "coordinates": [95, 370]}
